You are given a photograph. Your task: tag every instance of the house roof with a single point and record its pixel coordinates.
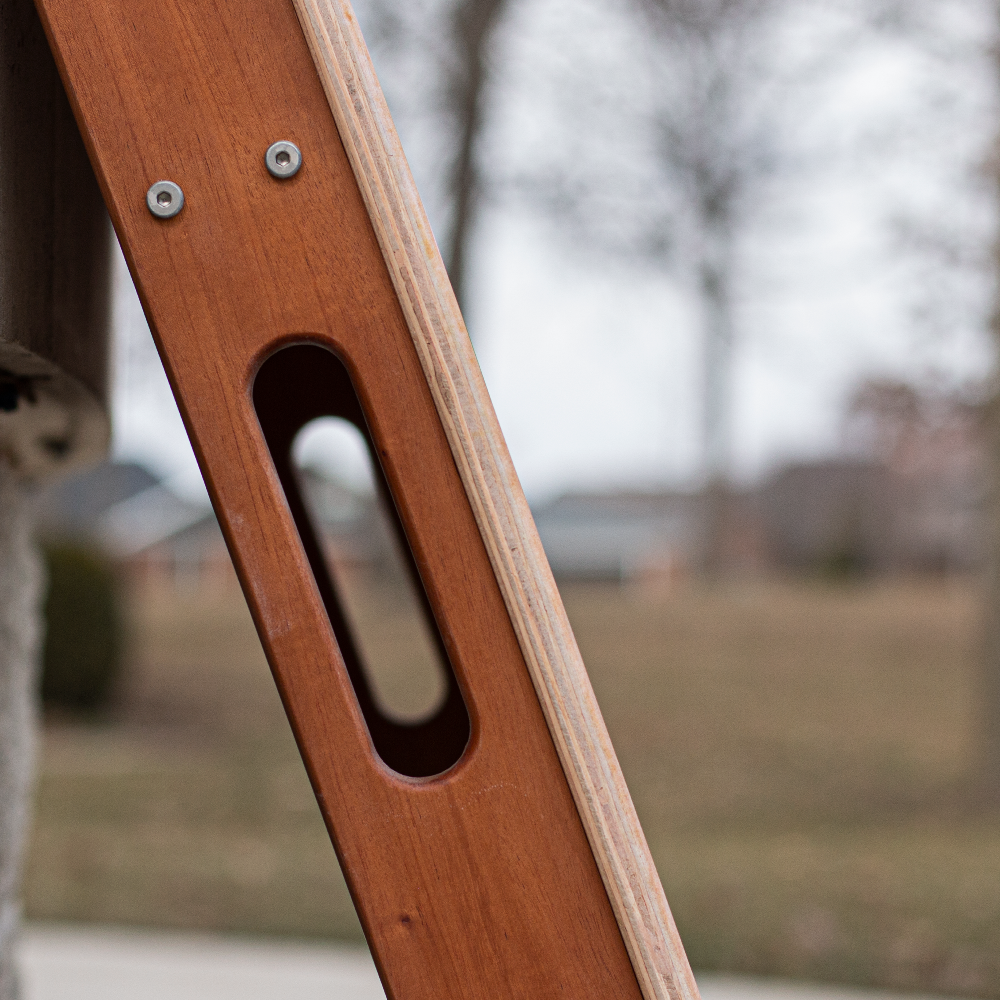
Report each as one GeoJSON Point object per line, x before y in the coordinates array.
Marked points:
{"type": "Point", "coordinates": [147, 518]}
{"type": "Point", "coordinates": [74, 506]}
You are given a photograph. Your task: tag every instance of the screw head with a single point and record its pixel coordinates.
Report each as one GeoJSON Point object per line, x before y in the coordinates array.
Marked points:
{"type": "Point", "coordinates": [283, 160]}
{"type": "Point", "coordinates": [165, 199]}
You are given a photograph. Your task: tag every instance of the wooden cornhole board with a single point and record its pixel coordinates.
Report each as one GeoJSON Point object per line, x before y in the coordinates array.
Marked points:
{"type": "Point", "coordinates": [491, 851]}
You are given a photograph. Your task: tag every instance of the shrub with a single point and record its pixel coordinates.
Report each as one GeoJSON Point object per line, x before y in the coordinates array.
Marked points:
{"type": "Point", "coordinates": [843, 565]}
{"type": "Point", "coordinates": [83, 637]}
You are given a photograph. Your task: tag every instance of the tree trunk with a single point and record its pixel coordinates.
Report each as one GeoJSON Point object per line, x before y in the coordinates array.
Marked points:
{"type": "Point", "coordinates": [473, 24]}
{"type": "Point", "coordinates": [716, 410]}
{"type": "Point", "coordinates": [20, 590]}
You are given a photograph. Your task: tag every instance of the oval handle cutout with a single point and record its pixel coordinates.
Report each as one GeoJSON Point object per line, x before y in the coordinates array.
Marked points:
{"type": "Point", "coordinates": [397, 663]}
{"type": "Point", "coordinates": [364, 557]}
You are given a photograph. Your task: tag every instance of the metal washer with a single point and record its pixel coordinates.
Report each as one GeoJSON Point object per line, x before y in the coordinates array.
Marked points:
{"type": "Point", "coordinates": [283, 159]}
{"type": "Point", "coordinates": [165, 199]}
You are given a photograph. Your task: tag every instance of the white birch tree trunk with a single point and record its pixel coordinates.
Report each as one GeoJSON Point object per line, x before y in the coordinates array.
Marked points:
{"type": "Point", "coordinates": [20, 633]}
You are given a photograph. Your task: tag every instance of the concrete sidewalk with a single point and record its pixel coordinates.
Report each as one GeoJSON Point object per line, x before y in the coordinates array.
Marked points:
{"type": "Point", "coordinates": [62, 963]}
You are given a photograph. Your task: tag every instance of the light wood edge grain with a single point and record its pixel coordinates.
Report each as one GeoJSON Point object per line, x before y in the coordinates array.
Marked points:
{"type": "Point", "coordinates": [501, 510]}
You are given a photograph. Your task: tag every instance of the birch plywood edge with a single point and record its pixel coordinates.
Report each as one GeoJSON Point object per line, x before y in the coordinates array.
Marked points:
{"type": "Point", "coordinates": [508, 530]}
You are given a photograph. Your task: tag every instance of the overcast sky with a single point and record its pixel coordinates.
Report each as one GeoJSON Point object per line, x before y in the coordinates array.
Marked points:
{"type": "Point", "coordinates": [593, 365]}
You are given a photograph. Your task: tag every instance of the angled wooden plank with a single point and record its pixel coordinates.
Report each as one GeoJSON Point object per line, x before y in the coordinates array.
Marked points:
{"type": "Point", "coordinates": [478, 881]}
{"type": "Point", "coordinates": [521, 568]}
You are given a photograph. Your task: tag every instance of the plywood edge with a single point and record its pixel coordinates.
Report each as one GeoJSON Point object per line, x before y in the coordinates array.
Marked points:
{"type": "Point", "coordinates": [501, 510]}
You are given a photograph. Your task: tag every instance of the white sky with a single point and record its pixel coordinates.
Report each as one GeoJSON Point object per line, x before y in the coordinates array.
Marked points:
{"type": "Point", "coordinates": [594, 366]}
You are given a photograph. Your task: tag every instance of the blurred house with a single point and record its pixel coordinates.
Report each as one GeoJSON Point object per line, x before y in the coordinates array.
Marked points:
{"type": "Point", "coordinates": [837, 515]}
{"type": "Point", "coordinates": [73, 507]}
{"type": "Point", "coordinates": [354, 530]}
{"type": "Point", "coordinates": [159, 539]}
{"type": "Point", "coordinates": [919, 509]}
{"type": "Point", "coordinates": [150, 532]}
{"type": "Point", "coordinates": [864, 516]}
{"type": "Point", "coordinates": [621, 536]}
{"type": "Point", "coordinates": [931, 444]}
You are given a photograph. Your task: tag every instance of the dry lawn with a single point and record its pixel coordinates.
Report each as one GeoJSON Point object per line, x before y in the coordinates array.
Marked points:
{"type": "Point", "coordinates": [800, 754]}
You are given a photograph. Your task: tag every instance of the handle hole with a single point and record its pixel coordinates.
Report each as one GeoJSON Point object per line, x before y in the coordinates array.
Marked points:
{"type": "Point", "coordinates": [364, 557]}
{"type": "Point", "coordinates": [397, 663]}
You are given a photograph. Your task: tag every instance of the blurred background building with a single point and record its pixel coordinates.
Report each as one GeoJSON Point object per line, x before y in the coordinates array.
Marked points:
{"type": "Point", "coordinates": [915, 510]}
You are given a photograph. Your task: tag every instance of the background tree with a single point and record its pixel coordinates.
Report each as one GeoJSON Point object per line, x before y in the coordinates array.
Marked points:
{"type": "Point", "coordinates": [715, 107]}
{"type": "Point", "coordinates": [716, 140]}
{"type": "Point", "coordinates": [439, 53]}
{"type": "Point", "coordinates": [473, 23]}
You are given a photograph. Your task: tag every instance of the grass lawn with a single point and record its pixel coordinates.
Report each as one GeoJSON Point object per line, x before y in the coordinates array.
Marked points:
{"type": "Point", "coordinates": [800, 755]}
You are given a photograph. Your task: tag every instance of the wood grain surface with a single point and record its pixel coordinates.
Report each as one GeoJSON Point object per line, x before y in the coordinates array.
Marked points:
{"type": "Point", "coordinates": [479, 882]}
{"type": "Point", "coordinates": [508, 529]}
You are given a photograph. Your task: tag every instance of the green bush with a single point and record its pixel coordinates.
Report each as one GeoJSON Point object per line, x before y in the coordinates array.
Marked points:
{"type": "Point", "coordinates": [83, 638]}
{"type": "Point", "coordinates": [843, 565]}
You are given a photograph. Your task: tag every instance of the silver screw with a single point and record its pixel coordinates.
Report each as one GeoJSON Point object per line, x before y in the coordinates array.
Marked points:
{"type": "Point", "coordinates": [283, 159]}
{"type": "Point", "coordinates": [165, 199]}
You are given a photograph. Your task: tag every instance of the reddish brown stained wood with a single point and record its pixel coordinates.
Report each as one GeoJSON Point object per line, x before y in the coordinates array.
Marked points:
{"type": "Point", "coordinates": [505, 522]}
{"type": "Point", "coordinates": [479, 883]}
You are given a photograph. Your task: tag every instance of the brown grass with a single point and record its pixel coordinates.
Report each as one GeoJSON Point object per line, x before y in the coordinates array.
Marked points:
{"type": "Point", "coordinates": [800, 755]}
